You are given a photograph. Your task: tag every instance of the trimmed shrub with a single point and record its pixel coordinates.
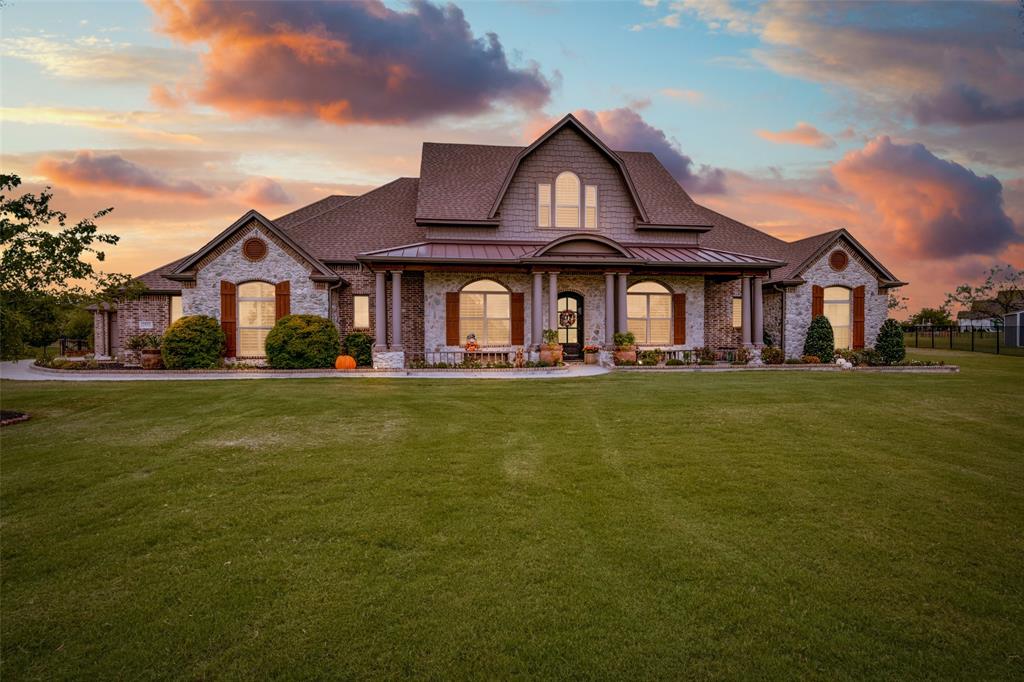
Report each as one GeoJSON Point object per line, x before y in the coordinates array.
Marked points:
{"type": "Point", "coordinates": [810, 360]}
{"type": "Point", "coordinates": [706, 355]}
{"type": "Point", "coordinates": [360, 347]}
{"type": "Point", "coordinates": [622, 340]}
{"type": "Point", "coordinates": [674, 362]}
{"type": "Point", "coordinates": [820, 342]}
{"type": "Point", "coordinates": [193, 342]}
{"type": "Point", "coordinates": [889, 343]}
{"type": "Point", "coordinates": [303, 342]}
{"type": "Point", "coordinates": [772, 355]}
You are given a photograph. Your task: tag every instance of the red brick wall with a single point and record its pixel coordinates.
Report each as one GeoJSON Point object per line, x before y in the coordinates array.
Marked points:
{"type": "Point", "coordinates": [130, 315]}
{"type": "Point", "coordinates": [718, 329]}
{"type": "Point", "coordinates": [363, 282]}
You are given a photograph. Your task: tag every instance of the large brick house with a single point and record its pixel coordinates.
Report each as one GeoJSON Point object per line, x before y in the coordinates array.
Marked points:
{"type": "Point", "coordinates": [505, 242]}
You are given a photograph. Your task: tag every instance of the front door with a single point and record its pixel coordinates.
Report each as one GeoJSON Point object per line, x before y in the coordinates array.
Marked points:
{"type": "Point", "coordinates": [570, 324]}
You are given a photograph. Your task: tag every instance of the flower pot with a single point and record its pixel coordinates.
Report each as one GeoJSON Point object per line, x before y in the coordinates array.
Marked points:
{"type": "Point", "coordinates": [625, 355]}
{"type": "Point", "coordinates": [590, 358]}
{"type": "Point", "coordinates": [150, 358]}
{"type": "Point", "coordinates": [551, 354]}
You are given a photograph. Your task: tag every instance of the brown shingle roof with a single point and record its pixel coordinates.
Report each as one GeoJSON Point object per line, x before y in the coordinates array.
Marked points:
{"type": "Point", "coordinates": [460, 181]}
{"type": "Point", "coordinates": [156, 280]}
{"type": "Point", "coordinates": [306, 212]}
{"type": "Point", "coordinates": [664, 199]}
{"type": "Point", "coordinates": [380, 218]}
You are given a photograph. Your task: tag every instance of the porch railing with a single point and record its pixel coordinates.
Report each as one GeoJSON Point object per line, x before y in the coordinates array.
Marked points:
{"type": "Point", "coordinates": [459, 359]}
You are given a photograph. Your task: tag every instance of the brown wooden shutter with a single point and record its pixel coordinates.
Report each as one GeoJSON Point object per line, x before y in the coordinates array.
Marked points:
{"type": "Point", "coordinates": [817, 301]}
{"type": "Point", "coordinates": [283, 299]}
{"type": "Point", "coordinates": [451, 318]}
{"type": "Point", "coordinates": [678, 318]}
{"type": "Point", "coordinates": [518, 319]}
{"type": "Point", "coordinates": [228, 315]}
{"type": "Point", "coordinates": [858, 317]}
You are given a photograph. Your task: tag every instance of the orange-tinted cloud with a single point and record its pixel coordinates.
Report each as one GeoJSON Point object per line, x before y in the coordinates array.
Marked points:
{"type": "Point", "coordinates": [346, 62]}
{"type": "Point", "coordinates": [112, 171]}
{"type": "Point", "coordinates": [262, 192]}
{"type": "Point", "coordinates": [933, 207]}
{"type": "Point", "coordinates": [803, 134]}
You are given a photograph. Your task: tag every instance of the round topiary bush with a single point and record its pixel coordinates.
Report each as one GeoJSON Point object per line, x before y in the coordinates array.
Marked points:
{"type": "Point", "coordinates": [889, 344]}
{"type": "Point", "coordinates": [302, 342]}
{"type": "Point", "coordinates": [772, 355]}
{"type": "Point", "coordinates": [193, 342]}
{"type": "Point", "coordinates": [360, 347]}
{"type": "Point", "coordinates": [820, 342]}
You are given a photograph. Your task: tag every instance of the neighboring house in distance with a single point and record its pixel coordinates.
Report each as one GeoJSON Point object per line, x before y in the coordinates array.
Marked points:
{"type": "Point", "coordinates": [504, 242]}
{"type": "Point", "coordinates": [1013, 335]}
{"type": "Point", "coordinates": [989, 313]}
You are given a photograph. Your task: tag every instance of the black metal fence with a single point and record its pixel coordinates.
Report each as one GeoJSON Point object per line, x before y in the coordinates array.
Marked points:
{"type": "Point", "coordinates": [1004, 340]}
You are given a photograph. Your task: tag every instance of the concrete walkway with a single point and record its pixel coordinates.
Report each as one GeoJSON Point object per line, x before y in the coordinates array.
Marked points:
{"type": "Point", "coordinates": [25, 370]}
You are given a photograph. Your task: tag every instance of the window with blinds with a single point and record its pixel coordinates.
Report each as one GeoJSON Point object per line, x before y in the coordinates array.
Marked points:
{"type": "Point", "coordinates": [649, 313]}
{"type": "Point", "coordinates": [485, 311]}
{"type": "Point", "coordinates": [360, 312]}
{"type": "Point", "coordinates": [839, 312]}
{"type": "Point", "coordinates": [737, 312]}
{"type": "Point", "coordinates": [256, 317]}
{"type": "Point", "coordinates": [567, 200]}
{"type": "Point", "coordinates": [544, 205]}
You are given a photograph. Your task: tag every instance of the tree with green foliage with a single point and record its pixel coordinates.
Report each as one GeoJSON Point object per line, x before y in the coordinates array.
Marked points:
{"type": "Point", "coordinates": [932, 317]}
{"type": "Point", "coordinates": [47, 264]}
{"type": "Point", "coordinates": [193, 342]}
{"type": "Point", "coordinates": [360, 346]}
{"type": "Point", "coordinates": [303, 342]}
{"type": "Point", "coordinates": [889, 343]}
{"type": "Point", "coordinates": [820, 341]}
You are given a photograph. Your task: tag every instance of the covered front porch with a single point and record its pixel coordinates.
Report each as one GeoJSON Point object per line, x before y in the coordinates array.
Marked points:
{"type": "Point", "coordinates": [586, 288]}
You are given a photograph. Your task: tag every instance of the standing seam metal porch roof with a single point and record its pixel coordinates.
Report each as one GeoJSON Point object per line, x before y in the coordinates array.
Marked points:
{"type": "Point", "coordinates": [515, 252]}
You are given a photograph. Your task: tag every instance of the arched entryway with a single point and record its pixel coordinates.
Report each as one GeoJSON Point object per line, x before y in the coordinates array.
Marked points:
{"type": "Point", "coordinates": [570, 324]}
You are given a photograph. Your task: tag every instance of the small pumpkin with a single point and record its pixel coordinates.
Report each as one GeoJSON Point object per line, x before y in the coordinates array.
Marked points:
{"type": "Point", "coordinates": [345, 362]}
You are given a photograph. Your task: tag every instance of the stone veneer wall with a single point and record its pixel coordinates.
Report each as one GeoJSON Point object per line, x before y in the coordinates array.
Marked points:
{"type": "Point", "coordinates": [718, 313]}
{"type": "Point", "coordinates": [229, 264]}
{"type": "Point", "coordinates": [437, 284]}
{"type": "Point", "coordinates": [857, 273]}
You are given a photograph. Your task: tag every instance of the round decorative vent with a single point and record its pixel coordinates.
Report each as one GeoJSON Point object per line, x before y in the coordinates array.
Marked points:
{"type": "Point", "coordinates": [254, 248]}
{"type": "Point", "coordinates": [838, 260]}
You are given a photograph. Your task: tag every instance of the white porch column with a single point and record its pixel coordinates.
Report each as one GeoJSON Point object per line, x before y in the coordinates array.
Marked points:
{"type": "Point", "coordinates": [747, 315]}
{"type": "Point", "coordinates": [621, 323]}
{"type": "Point", "coordinates": [758, 330]}
{"type": "Point", "coordinates": [553, 300]}
{"type": "Point", "coordinates": [380, 313]}
{"type": "Point", "coordinates": [537, 309]}
{"type": "Point", "coordinates": [609, 307]}
{"type": "Point", "coordinates": [396, 310]}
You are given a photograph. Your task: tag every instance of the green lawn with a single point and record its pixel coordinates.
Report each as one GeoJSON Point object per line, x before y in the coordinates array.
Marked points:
{"type": "Point", "coordinates": [738, 525]}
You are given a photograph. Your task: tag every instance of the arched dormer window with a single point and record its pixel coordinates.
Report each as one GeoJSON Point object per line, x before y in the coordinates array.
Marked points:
{"type": "Point", "coordinates": [485, 311]}
{"type": "Point", "coordinates": [567, 200]}
{"type": "Point", "coordinates": [649, 313]}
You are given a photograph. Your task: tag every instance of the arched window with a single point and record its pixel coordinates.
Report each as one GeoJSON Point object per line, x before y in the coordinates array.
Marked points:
{"type": "Point", "coordinates": [485, 310]}
{"type": "Point", "coordinates": [839, 313]}
{"type": "Point", "coordinates": [649, 313]}
{"type": "Point", "coordinates": [256, 313]}
{"type": "Point", "coordinates": [567, 200]}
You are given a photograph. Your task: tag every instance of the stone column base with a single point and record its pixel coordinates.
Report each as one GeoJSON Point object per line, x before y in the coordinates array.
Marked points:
{"type": "Point", "coordinates": [755, 357]}
{"type": "Point", "coordinates": [389, 359]}
{"type": "Point", "coordinates": [606, 357]}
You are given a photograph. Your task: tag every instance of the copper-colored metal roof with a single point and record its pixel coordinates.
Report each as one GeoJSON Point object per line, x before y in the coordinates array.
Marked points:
{"type": "Point", "coordinates": [520, 252]}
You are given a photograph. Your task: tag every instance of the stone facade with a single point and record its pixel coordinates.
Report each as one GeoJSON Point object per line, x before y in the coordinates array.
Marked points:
{"type": "Point", "coordinates": [227, 263]}
{"type": "Point", "coordinates": [388, 359]}
{"type": "Point", "coordinates": [772, 315]}
{"type": "Point", "coordinates": [857, 273]}
{"type": "Point", "coordinates": [437, 284]}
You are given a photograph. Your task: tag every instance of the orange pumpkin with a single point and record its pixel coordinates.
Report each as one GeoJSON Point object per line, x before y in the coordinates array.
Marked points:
{"type": "Point", "coordinates": [345, 362]}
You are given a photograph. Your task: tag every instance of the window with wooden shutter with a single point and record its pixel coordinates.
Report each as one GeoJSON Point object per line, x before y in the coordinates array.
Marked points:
{"type": "Point", "coordinates": [518, 318]}
{"type": "Point", "coordinates": [817, 301]}
{"type": "Point", "coordinates": [451, 318]}
{"type": "Point", "coordinates": [678, 318]}
{"type": "Point", "coordinates": [858, 317]}
{"type": "Point", "coordinates": [228, 315]}
{"type": "Point", "coordinates": [282, 298]}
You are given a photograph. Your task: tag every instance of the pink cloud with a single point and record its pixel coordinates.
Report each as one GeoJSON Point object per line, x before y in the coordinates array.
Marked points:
{"type": "Point", "coordinates": [803, 134]}
{"type": "Point", "coordinates": [114, 172]}
{"type": "Point", "coordinates": [346, 62]}
{"type": "Point", "coordinates": [262, 192]}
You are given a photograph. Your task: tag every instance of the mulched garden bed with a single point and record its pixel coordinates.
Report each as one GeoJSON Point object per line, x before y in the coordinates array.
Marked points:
{"type": "Point", "coordinates": [11, 417]}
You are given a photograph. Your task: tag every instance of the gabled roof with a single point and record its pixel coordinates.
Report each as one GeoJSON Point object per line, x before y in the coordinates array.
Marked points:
{"type": "Point", "coordinates": [806, 252]}
{"type": "Point", "coordinates": [458, 182]}
{"type": "Point", "coordinates": [182, 270]}
{"type": "Point", "coordinates": [317, 207]}
{"type": "Point", "coordinates": [382, 217]}
{"type": "Point", "coordinates": [666, 202]}
{"type": "Point", "coordinates": [156, 280]}
{"type": "Point", "coordinates": [567, 121]}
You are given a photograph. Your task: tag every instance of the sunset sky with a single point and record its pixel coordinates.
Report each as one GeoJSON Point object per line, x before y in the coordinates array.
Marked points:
{"type": "Point", "coordinates": [902, 122]}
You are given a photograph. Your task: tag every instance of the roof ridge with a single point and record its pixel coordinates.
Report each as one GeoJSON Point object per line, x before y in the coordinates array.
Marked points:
{"type": "Point", "coordinates": [816, 236]}
{"type": "Point", "coordinates": [346, 203]}
{"type": "Point", "coordinates": [738, 222]}
{"type": "Point", "coordinates": [348, 197]}
{"type": "Point", "coordinates": [478, 144]}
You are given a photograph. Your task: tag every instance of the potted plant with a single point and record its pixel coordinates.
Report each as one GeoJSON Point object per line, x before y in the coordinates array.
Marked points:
{"type": "Point", "coordinates": [148, 348]}
{"type": "Point", "coordinates": [625, 348]}
{"type": "Point", "coordinates": [551, 350]}
{"type": "Point", "coordinates": [590, 354]}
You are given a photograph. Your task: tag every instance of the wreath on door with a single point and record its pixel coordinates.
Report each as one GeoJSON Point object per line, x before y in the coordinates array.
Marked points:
{"type": "Point", "coordinates": [566, 318]}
